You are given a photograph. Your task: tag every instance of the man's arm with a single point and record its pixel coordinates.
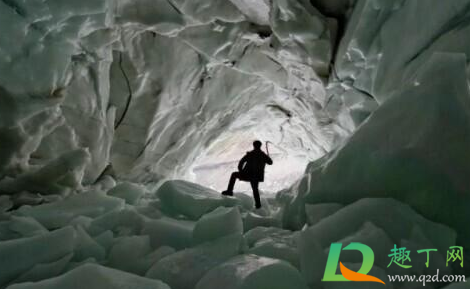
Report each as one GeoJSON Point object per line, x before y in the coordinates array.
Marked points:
{"type": "Point", "coordinates": [242, 162]}
{"type": "Point", "coordinates": [269, 161]}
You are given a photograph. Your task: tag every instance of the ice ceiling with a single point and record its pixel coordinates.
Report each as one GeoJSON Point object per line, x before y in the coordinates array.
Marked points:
{"type": "Point", "coordinates": [164, 88]}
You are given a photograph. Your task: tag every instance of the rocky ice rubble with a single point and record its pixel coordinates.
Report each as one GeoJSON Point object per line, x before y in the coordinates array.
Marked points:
{"type": "Point", "coordinates": [103, 239]}
{"type": "Point", "coordinates": [103, 103]}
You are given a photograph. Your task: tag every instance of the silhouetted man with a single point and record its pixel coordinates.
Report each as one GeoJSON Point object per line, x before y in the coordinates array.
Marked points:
{"type": "Point", "coordinates": [251, 169]}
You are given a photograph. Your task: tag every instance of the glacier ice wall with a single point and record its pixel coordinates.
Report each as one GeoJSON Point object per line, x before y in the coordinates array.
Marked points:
{"type": "Point", "coordinates": [145, 87]}
{"type": "Point", "coordinates": [409, 65]}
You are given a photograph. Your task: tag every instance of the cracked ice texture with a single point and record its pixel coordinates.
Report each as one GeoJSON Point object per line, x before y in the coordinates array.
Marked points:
{"type": "Point", "coordinates": [386, 42]}
{"type": "Point", "coordinates": [147, 86]}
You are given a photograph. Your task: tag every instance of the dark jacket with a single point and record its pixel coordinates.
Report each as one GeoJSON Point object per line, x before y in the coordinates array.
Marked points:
{"type": "Point", "coordinates": [251, 166]}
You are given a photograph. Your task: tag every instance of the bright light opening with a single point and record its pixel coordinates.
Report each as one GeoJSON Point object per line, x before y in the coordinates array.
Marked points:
{"type": "Point", "coordinates": [213, 169]}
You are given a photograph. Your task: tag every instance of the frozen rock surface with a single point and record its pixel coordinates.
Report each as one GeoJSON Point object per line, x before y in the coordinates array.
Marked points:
{"type": "Point", "coordinates": [54, 215]}
{"type": "Point", "coordinates": [253, 219]}
{"type": "Point", "coordinates": [169, 232]}
{"type": "Point", "coordinates": [18, 227]}
{"type": "Point", "coordinates": [252, 272]}
{"type": "Point", "coordinates": [378, 223]}
{"type": "Point", "coordinates": [132, 254]}
{"type": "Point", "coordinates": [274, 243]}
{"type": "Point", "coordinates": [44, 271]}
{"type": "Point", "coordinates": [20, 255]}
{"type": "Point", "coordinates": [185, 268]}
{"type": "Point", "coordinates": [191, 200]}
{"type": "Point", "coordinates": [129, 192]}
{"type": "Point", "coordinates": [317, 212]}
{"type": "Point", "coordinates": [216, 224]}
{"type": "Point", "coordinates": [397, 219]}
{"type": "Point", "coordinates": [59, 176]}
{"type": "Point", "coordinates": [95, 277]}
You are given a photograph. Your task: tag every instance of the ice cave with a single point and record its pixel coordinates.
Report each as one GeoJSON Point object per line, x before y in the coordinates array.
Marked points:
{"type": "Point", "coordinates": [122, 120]}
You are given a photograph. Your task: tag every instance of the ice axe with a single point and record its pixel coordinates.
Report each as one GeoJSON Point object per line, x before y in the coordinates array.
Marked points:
{"type": "Point", "coordinates": [267, 150]}
{"type": "Point", "coordinates": [284, 152]}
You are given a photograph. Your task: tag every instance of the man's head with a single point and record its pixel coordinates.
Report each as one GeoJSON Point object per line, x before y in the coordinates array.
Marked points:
{"type": "Point", "coordinates": [257, 144]}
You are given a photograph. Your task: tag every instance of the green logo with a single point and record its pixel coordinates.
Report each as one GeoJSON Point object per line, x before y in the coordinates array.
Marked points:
{"type": "Point", "coordinates": [346, 274]}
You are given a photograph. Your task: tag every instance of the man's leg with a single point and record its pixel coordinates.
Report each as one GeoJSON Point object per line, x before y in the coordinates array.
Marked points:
{"type": "Point", "coordinates": [254, 186]}
{"type": "Point", "coordinates": [231, 184]}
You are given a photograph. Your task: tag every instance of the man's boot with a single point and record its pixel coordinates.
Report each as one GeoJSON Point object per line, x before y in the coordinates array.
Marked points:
{"type": "Point", "coordinates": [227, 193]}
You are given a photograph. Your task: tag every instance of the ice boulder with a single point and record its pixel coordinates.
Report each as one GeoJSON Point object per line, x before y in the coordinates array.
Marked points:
{"type": "Point", "coordinates": [150, 209]}
{"type": "Point", "coordinates": [93, 276]}
{"type": "Point", "coordinates": [259, 233]}
{"type": "Point", "coordinates": [252, 220]}
{"type": "Point", "coordinates": [397, 220]}
{"type": "Point", "coordinates": [169, 232]}
{"type": "Point", "coordinates": [312, 260]}
{"type": "Point", "coordinates": [105, 239]}
{"type": "Point", "coordinates": [44, 271]}
{"type": "Point", "coordinates": [378, 223]}
{"type": "Point", "coordinates": [18, 227]}
{"type": "Point", "coordinates": [105, 182]}
{"type": "Point", "coordinates": [191, 200]}
{"type": "Point", "coordinates": [59, 214]}
{"type": "Point", "coordinates": [274, 243]}
{"type": "Point", "coordinates": [278, 249]}
{"type": "Point", "coordinates": [183, 269]}
{"type": "Point", "coordinates": [20, 134]}
{"type": "Point", "coordinates": [216, 224]}
{"type": "Point", "coordinates": [158, 254]}
{"type": "Point", "coordinates": [252, 272]}
{"type": "Point", "coordinates": [20, 255]}
{"type": "Point", "coordinates": [130, 254]}
{"type": "Point", "coordinates": [246, 202]}
{"type": "Point", "coordinates": [129, 192]}
{"type": "Point", "coordinates": [86, 247]}
{"type": "Point", "coordinates": [292, 201]}
{"type": "Point", "coordinates": [120, 221]}
{"type": "Point", "coordinates": [58, 176]}
{"type": "Point", "coordinates": [317, 212]}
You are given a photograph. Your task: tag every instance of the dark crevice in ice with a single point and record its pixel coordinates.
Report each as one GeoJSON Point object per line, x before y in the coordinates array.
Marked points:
{"type": "Point", "coordinates": [13, 5]}
{"type": "Point", "coordinates": [129, 98]}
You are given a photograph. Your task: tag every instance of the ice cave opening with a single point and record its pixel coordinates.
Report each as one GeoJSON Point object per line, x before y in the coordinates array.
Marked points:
{"type": "Point", "coordinates": [290, 145]}
{"type": "Point", "coordinates": [214, 167]}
